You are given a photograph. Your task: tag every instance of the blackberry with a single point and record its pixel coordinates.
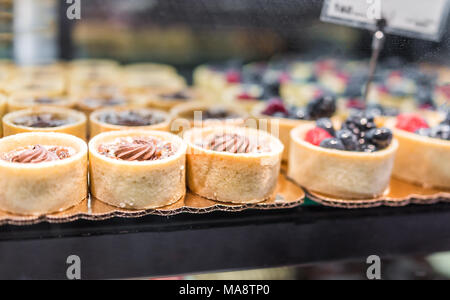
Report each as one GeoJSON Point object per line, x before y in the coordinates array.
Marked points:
{"type": "Point", "coordinates": [327, 125]}
{"type": "Point", "coordinates": [348, 139]}
{"type": "Point", "coordinates": [332, 143]}
{"type": "Point", "coordinates": [322, 107]}
{"type": "Point", "coordinates": [380, 137]}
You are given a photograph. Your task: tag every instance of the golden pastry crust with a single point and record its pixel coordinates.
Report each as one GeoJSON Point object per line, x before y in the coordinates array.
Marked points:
{"type": "Point", "coordinates": [88, 103]}
{"type": "Point", "coordinates": [47, 187]}
{"type": "Point", "coordinates": [183, 116]}
{"type": "Point", "coordinates": [25, 101]}
{"type": "Point", "coordinates": [2, 111]}
{"type": "Point", "coordinates": [422, 160]}
{"type": "Point", "coordinates": [96, 126]}
{"type": "Point", "coordinates": [279, 127]}
{"type": "Point", "coordinates": [350, 175]}
{"type": "Point", "coordinates": [77, 125]}
{"type": "Point", "coordinates": [229, 177]}
{"type": "Point", "coordinates": [137, 184]}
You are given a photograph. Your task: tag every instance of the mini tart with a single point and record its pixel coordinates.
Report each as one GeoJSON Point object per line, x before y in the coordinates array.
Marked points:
{"type": "Point", "coordinates": [137, 184]}
{"type": "Point", "coordinates": [183, 116]}
{"type": "Point", "coordinates": [99, 124]}
{"type": "Point", "coordinates": [37, 87]}
{"type": "Point", "coordinates": [422, 160]}
{"type": "Point", "coordinates": [149, 68]}
{"type": "Point", "coordinates": [137, 83]}
{"type": "Point", "coordinates": [247, 96]}
{"type": "Point", "coordinates": [299, 94]}
{"type": "Point", "coordinates": [45, 119]}
{"type": "Point", "coordinates": [21, 101]}
{"type": "Point", "coordinates": [343, 174]}
{"type": "Point", "coordinates": [233, 177]}
{"type": "Point", "coordinates": [88, 103]}
{"type": "Point", "coordinates": [44, 187]}
{"type": "Point", "coordinates": [167, 100]}
{"type": "Point", "coordinates": [280, 127]}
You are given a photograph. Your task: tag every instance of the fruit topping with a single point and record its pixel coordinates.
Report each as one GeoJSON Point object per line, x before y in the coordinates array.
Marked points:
{"type": "Point", "coordinates": [317, 135]}
{"type": "Point", "coordinates": [326, 124]}
{"type": "Point", "coordinates": [275, 106]}
{"type": "Point", "coordinates": [233, 76]}
{"type": "Point", "coordinates": [358, 133]}
{"type": "Point", "coordinates": [411, 122]}
{"type": "Point", "coordinates": [322, 107]}
{"type": "Point", "coordinates": [332, 143]}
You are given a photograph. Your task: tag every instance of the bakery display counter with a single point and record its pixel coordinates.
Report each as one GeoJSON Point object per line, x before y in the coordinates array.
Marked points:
{"type": "Point", "coordinates": [155, 246]}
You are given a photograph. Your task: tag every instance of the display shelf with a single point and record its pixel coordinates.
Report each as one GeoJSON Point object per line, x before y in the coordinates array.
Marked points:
{"type": "Point", "coordinates": [184, 244]}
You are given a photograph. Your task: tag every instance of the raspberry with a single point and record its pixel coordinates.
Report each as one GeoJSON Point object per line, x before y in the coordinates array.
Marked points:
{"type": "Point", "coordinates": [317, 135]}
{"type": "Point", "coordinates": [411, 122]}
{"type": "Point", "coordinates": [245, 96]}
{"type": "Point", "coordinates": [233, 77]}
{"type": "Point", "coordinates": [275, 106]}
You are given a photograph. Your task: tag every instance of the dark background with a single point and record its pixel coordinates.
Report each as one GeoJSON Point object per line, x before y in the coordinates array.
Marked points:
{"type": "Point", "coordinates": [190, 32]}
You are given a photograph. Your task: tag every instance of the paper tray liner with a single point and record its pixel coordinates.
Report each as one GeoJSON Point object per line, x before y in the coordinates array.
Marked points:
{"type": "Point", "coordinates": [399, 193]}
{"type": "Point", "coordinates": [287, 195]}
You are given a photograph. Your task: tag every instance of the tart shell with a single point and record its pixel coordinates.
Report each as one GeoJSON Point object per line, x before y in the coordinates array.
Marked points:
{"type": "Point", "coordinates": [96, 126]}
{"type": "Point", "coordinates": [279, 127]}
{"type": "Point", "coordinates": [422, 160]}
{"type": "Point", "coordinates": [77, 128]}
{"type": "Point", "coordinates": [137, 185]}
{"type": "Point", "coordinates": [228, 177]}
{"type": "Point", "coordinates": [21, 101]}
{"type": "Point", "coordinates": [47, 187]}
{"type": "Point", "coordinates": [346, 174]}
{"type": "Point", "coordinates": [2, 111]}
{"type": "Point", "coordinates": [182, 119]}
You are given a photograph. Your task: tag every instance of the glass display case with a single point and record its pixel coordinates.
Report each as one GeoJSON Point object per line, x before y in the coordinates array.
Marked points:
{"type": "Point", "coordinates": [340, 178]}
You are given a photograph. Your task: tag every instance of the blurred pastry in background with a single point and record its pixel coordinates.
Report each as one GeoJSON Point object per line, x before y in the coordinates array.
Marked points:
{"type": "Point", "coordinates": [167, 100]}
{"type": "Point", "coordinates": [279, 118]}
{"type": "Point", "coordinates": [189, 115]}
{"type": "Point", "coordinates": [21, 101]}
{"type": "Point", "coordinates": [127, 118]}
{"type": "Point", "coordinates": [46, 119]}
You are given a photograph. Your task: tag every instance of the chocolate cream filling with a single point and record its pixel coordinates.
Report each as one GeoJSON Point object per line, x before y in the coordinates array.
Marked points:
{"type": "Point", "coordinates": [233, 143]}
{"type": "Point", "coordinates": [131, 118]}
{"type": "Point", "coordinates": [37, 154]}
{"type": "Point", "coordinates": [44, 120]}
{"type": "Point", "coordinates": [137, 149]}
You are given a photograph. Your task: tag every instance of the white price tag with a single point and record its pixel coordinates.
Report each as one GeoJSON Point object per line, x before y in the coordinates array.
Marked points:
{"type": "Point", "coordinates": [425, 19]}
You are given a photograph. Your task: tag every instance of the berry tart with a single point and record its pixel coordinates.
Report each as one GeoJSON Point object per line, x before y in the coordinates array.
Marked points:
{"type": "Point", "coordinates": [127, 118]}
{"type": "Point", "coordinates": [21, 101]}
{"type": "Point", "coordinates": [45, 119]}
{"type": "Point", "coordinates": [198, 114]}
{"type": "Point", "coordinates": [216, 78]}
{"type": "Point", "coordinates": [137, 169]}
{"type": "Point", "coordinates": [353, 163]}
{"type": "Point", "coordinates": [277, 116]}
{"type": "Point", "coordinates": [233, 164]}
{"type": "Point", "coordinates": [42, 173]}
{"type": "Point", "coordinates": [424, 153]}
{"type": "Point", "coordinates": [397, 90]}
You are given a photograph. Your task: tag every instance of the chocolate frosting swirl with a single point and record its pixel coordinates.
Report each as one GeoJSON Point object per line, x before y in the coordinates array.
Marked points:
{"type": "Point", "coordinates": [232, 143]}
{"type": "Point", "coordinates": [139, 150]}
{"type": "Point", "coordinates": [38, 154]}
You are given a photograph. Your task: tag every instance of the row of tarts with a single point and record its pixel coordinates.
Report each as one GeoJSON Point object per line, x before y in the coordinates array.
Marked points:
{"type": "Point", "coordinates": [222, 160]}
